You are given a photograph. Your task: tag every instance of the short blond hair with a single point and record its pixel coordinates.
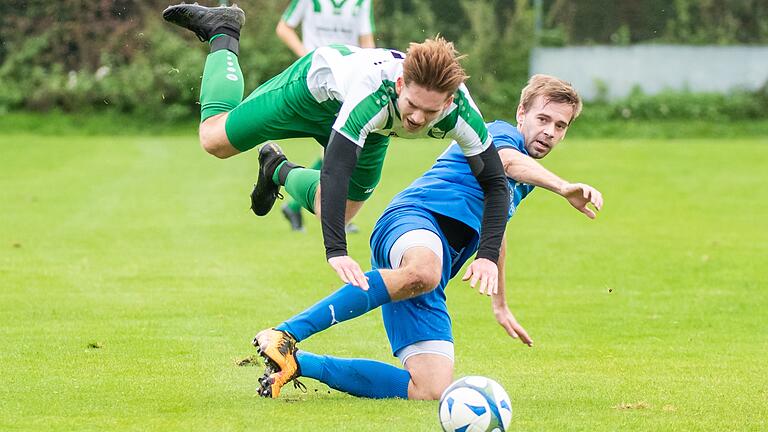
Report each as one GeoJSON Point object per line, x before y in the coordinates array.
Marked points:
{"type": "Point", "coordinates": [434, 65]}
{"type": "Point", "coordinates": [553, 90]}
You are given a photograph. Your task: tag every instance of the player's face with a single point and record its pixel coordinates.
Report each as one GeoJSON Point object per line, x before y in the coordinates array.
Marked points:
{"type": "Point", "coordinates": [419, 106]}
{"type": "Point", "coordinates": [543, 125]}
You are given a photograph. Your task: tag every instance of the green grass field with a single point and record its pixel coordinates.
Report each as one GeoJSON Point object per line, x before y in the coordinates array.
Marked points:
{"type": "Point", "coordinates": [133, 277]}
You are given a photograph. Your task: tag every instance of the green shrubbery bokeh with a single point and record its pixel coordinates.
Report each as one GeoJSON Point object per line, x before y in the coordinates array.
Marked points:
{"type": "Point", "coordinates": [120, 57]}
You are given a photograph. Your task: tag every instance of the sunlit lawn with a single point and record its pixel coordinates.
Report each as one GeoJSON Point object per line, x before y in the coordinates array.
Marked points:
{"type": "Point", "coordinates": [133, 276]}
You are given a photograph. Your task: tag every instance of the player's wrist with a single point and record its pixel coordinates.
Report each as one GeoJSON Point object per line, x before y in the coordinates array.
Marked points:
{"type": "Point", "coordinates": [335, 254]}
{"type": "Point", "coordinates": [563, 187]}
{"type": "Point", "coordinates": [490, 256]}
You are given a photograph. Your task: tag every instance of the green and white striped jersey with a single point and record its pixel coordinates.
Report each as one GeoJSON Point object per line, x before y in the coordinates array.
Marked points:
{"type": "Point", "coordinates": [326, 22]}
{"type": "Point", "coordinates": [363, 83]}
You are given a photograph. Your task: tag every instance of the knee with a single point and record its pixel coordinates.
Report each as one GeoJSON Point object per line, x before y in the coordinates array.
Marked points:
{"type": "Point", "coordinates": [421, 279]}
{"type": "Point", "coordinates": [214, 148]}
{"type": "Point", "coordinates": [428, 389]}
{"type": "Point", "coordinates": [214, 142]}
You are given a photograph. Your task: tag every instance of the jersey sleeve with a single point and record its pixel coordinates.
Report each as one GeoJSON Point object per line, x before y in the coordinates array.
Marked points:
{"type": "Point", "coordinates": [365, 22]}
{"type": "Point", "coordinates": [506, 136]}
{"type": "Point", "coordinates": [294, 13]}
{"type": "Point", "coordinates": [469, 130]}
{"type": "Point", "coordinates": [365, 109]}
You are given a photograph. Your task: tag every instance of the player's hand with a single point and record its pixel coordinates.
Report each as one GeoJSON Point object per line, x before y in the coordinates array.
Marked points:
{"type": "Point", "coordinates": [580, 194]}
{"type": "Point", "coordinates": [486, 272]}
{"type": "Point", "coordinates": [505, 318]}
{"type": "Point", "coordinates": [349, 271]}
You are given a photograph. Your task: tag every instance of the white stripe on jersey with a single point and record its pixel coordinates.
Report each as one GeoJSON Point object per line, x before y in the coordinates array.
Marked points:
{"type": "Point", "coordinates": [352, 75]}
{"type": "Point", "coordinates": [471, 144]}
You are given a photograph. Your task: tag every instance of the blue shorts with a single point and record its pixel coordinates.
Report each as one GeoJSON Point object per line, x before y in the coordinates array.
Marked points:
{"type": "Point", "coordinates": [424, 317]}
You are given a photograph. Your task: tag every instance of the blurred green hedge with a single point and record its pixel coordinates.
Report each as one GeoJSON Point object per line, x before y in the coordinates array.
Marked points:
{"type": "Point", "coordinates": [118, 56]}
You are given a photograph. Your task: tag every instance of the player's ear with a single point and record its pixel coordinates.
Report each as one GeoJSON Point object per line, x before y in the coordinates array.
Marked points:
{"type": "Point", "coordinates": [520, 114]}
{"type": "Point", "coordinates": [448, 102]}
{"type": "Point", "coordinates": [399, 84]}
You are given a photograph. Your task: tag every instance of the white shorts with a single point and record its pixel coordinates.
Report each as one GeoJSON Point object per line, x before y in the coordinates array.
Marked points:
{"type": "Point", "coordinates": [416, 238]}
{"type": "Point", "coordinates": [439, 347]}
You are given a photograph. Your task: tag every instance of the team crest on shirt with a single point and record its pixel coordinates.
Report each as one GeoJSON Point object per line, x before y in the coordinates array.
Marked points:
{"type": "Point", "coordinates": [438, 133]}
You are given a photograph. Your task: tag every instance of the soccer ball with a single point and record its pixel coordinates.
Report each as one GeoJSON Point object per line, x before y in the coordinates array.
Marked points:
{"type": "Point", "coordinates": [475, 404]}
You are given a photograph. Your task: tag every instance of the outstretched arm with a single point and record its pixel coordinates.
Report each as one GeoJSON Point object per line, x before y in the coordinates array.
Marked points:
{"type": "Point", "coordinates": [499, 302]}
{"type": "Point", "coordinates": [525, 169]}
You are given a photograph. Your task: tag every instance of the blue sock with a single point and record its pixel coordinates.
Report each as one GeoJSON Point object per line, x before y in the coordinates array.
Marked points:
{"type": "Point", "coordinates": [358, 377]}
{"type": "Point", "coordinates": [346, 303]}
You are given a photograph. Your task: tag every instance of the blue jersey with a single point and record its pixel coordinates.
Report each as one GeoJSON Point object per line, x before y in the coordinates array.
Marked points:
{"type": "Point", "coordinates": [450, 189]}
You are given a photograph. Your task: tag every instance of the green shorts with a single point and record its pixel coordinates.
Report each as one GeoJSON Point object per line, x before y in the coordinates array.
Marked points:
{"type": "Point", "coordinates": [283, 107]}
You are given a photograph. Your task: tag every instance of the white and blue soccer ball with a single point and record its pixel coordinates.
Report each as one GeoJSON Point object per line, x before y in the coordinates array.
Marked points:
{"type": "Point", "coordinates": [475, 404]}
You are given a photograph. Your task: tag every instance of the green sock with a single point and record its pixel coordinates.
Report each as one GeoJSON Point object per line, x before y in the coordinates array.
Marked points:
{"type": "Point", "coordinates": [222, 87]}
{"type": "Point", "coordinates": [301, 184]}
{"type": "Point", "coordinates": [292, 203]}
{"type": "Point", "coordinates": [318, 164]}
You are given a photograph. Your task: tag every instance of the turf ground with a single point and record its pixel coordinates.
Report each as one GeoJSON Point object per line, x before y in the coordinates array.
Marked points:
{"type": "Point", "coordinates": [133, 276]}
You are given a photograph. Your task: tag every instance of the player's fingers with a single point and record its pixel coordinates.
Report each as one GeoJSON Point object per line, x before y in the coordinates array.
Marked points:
{"type": "Point", "coordinates": [350, 275]}
{"type": "Point", "coordinates": [489, 284]}
{"type": "Point", "coordinates": [360, 276]}
{"type": "Point", "coordinates": [467, 274]}
{"type": "Point", "coordinates": [483, 284]}
{"type": "Point", "coordinates": [587, 211]}
{"type": "Point", "coordinates": [342, 275]}
{"type": "Point", "coordinates": [523, 334]}
{"type": "Point", "coordinates": [508, 328]}
{"type": "Point", "coordinates": [361, 281]}
{"type": "Point", "coordinates": [474, 279]}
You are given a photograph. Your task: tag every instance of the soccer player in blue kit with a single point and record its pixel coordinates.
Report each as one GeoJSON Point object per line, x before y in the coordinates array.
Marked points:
{"type": "Point", "coordinates": [421, 241]}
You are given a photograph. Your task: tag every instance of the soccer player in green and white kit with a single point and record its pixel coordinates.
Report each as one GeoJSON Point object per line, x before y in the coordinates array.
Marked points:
{"type": "Point", "coordinates": [326, 22]}
{"type": "Point", "coordinates": [323, 22]}
{"type": "Point", "coordinates": [350, 100]}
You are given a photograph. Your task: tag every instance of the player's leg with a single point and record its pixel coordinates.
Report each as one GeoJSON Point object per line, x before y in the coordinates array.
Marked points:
{"type": "Point", "coordinates": [292, 210]}
{"type": "Point", "coordinates": [430, 373]}
{"type": "Point", "coordinates": [427, 372]}
{"type": "Point", "coordinates": [222, 87]}
{"type": "Point", "coordinates": [407, 246]}
{"type": "Point", "coordinates": [418, 255]}
{"type": "Point", "coordinates": [418, 326]}
{"type": "Point", "coordinates": [428, 364]}
{"type": "Point", "coordinates": [417, 259]}
{"type": "Point", "coordinates": [357, 377]}
{"type": "Point", "coordinates": [303, 184]}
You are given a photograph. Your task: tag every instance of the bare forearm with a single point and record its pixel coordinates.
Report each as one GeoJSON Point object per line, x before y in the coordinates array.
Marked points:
{"type": "Point", "coordinates": [499, 299]}
{"type": "Point", "coordinates": [525, 169]}
{"type": "Point", "coordinates": [290, 38]}
{"type": "Point", "coordinates": [366, 41]}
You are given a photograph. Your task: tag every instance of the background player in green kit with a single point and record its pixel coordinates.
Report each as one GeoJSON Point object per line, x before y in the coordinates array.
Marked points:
{"type": "Point", "coordinates": [351, 101]}
{"type": "Point", "coordinates": [326, 22]}
{"type": "Point", "coordinates": [323, 22]}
